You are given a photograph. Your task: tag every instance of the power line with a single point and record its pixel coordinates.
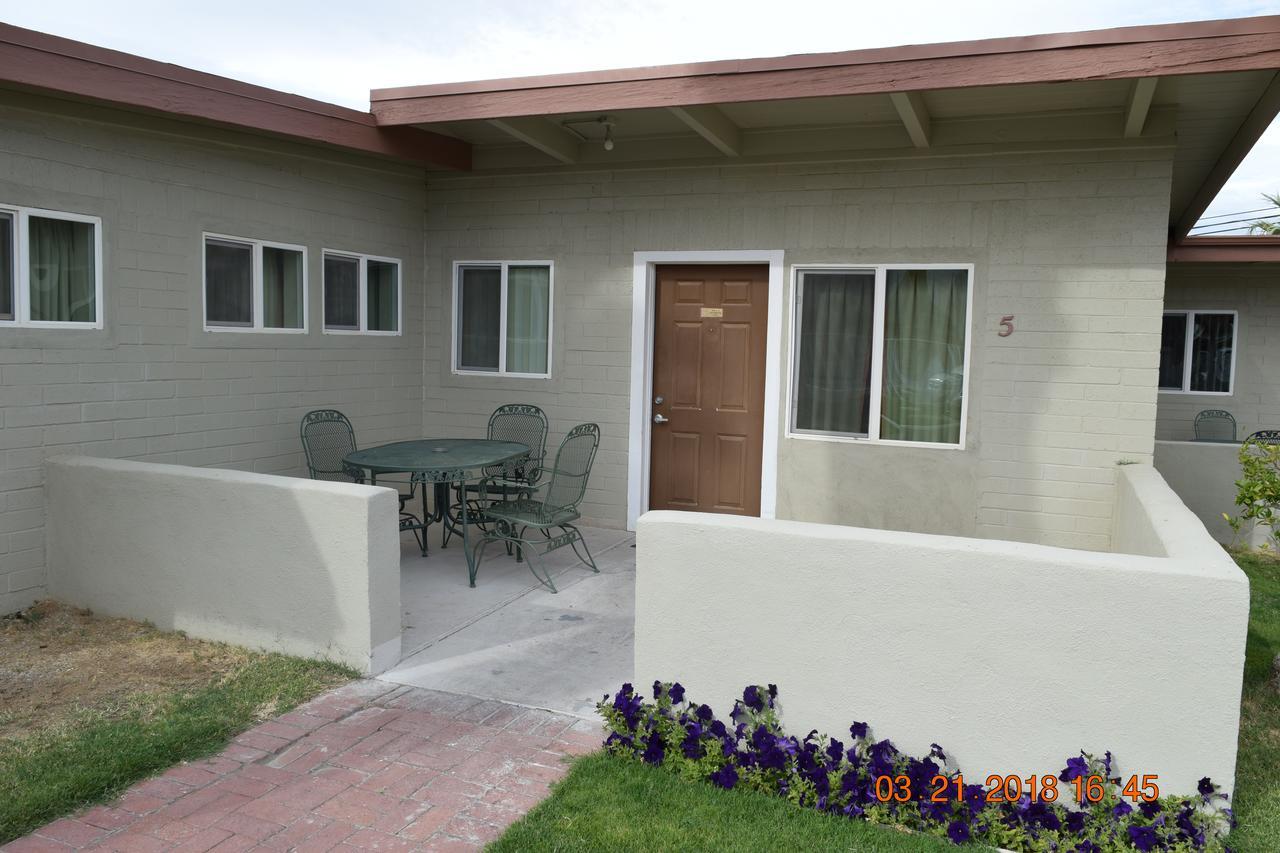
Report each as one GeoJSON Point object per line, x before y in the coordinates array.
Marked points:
{"type": "Point", "coordinates": [1240, 212]}
{"type": "Point", "coordinates": [1226, 222]}
{"type": "Point", "coordinates": [1222, 231]}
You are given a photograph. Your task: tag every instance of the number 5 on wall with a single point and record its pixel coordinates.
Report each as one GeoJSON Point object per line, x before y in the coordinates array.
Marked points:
{"type": "Point", "coordinates": [1006, 326]}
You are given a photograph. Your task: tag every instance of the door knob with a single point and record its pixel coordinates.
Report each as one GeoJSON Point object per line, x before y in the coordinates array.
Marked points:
{"type": "Point", "coordinates": [659, 418]}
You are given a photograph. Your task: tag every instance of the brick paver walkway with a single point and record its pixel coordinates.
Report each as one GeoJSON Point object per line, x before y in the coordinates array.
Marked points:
{"type": "Point", "coordinates": [369, 766]}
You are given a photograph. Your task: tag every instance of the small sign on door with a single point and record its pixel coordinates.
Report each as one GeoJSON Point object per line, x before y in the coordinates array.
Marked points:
{"type": "Point", "coordinates": [712, 312]}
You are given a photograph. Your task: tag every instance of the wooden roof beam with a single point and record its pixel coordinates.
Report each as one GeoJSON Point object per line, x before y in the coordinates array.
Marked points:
{"type": "Point", "coordinates": [553, 141]}
{"type": "Point", "coordinates": [714, 126]}
{"type": "Point", "coordinates": [1141, 93]}
{"type": "Point", "coordinates": [914, 115]}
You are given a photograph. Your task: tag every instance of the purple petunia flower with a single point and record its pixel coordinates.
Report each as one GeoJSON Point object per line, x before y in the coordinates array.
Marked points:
{"type": "Point", "coordinates": [676, 692]}
{"type": "Point", "coordinates": [1206, 787]}
{"type": "Point", "coordinates": [1087, 846]}
{"type": "Point", "coordinates": [657, 690]}
{"type": "Point", "coordinates": [726, 777]}
{"type": "Point", "coordinates": [705, 713]}
{"type": "Point", "coordinates": [958, 831]}
{"type": "Point", "coordinates": [653, 751]}
{"type": "Point", "coordinates": [835, 749]}
{"type": "Point", "coordinates": [751, 698]}
{"type": "Point", "coordinates": [1150, 809]}
{"type": "Point", "coordinates": [858, 731]}
{"type": "Point", "coordinates": [717, 727]}
{"type": "Point", "coordinates": [1075, 821]}
{"type": "Point", "coordinates": [1143, 837]}
{"type": "Point", "coordinates": [1076, 767]}
{"type": "Point", "coordinates": [936, 752]}
{"type": "Point", "coordinates": [1122, 808]}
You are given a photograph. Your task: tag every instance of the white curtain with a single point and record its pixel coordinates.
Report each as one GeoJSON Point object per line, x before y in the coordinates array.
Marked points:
{"type": "Point", "coordinates": [528, 314]}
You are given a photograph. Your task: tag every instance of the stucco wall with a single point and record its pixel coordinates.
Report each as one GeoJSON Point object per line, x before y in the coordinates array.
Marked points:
{"type": "Point", "coordinates": [1071, 243]}
{"type": "Point", "coordinates": [1012, 656]}
{"type": "Point", "coordinates": [1204, 475]}
{"type": "Point", "coordinates": [153, 385]}
{"type": "Point", "coordinates": [278, 563]}
{"type": "Point", "coordinates": [1254, 291]}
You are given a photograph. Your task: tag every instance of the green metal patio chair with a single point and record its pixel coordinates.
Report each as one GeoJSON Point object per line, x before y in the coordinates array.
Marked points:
{"type": "Point", "coordinates": [519, 422]}
{"type": "Point", "coordinates": [512, 520]}
{"type": "Point", "coordinates": [1215, 425]}
{"type": "Point", "coordinates": [327, 438]}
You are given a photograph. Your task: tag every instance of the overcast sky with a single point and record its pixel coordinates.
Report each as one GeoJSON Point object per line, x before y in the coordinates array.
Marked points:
{"type": "Point", "coordinates": [339, 51]}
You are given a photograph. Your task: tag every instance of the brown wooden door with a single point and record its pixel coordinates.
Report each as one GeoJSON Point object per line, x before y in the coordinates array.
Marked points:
{"type": "Point", "coordinates": [708, 370]}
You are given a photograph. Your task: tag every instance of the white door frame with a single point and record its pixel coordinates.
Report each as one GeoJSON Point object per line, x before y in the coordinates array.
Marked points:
{"type": "Point", "coordinates": [643, 301]}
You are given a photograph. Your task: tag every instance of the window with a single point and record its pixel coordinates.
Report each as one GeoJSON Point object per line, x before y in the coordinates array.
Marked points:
{"type": "Point", "coordinates": [502, 318]}
{"type": "Point", "coordinates": [1197, 352]}
{"type": "Point", "coordinates": [881, 353]}
{"type": "Point", "coordinates": [50, 269]}
{"type": "Point", "coordinates": [254, 286]}
{"type": "Point", "coordinates": [361, 294]}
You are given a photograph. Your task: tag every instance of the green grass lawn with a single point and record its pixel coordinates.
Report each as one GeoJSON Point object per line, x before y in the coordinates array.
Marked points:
{"type": "Point", "coordinates": [608, 803]}
{"type": "Point", "coordinates": [1257, 796]}
{"type": "Point", "coordinates": [88, 754]}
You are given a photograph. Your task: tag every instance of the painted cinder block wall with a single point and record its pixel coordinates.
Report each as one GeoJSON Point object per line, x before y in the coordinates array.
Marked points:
{"type": "Point", "coordinates": [1071, 243]}
{"type": "Point", "coordinates": [1254, 291]}
{"type": "Point", "coordinates": [152, 385]}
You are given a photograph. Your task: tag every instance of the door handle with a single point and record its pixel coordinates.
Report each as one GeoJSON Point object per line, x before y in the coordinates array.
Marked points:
{"type": "Point", "coordinates": [659, 418]}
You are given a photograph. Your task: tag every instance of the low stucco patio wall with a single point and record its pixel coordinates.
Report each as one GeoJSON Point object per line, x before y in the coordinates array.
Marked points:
{"type": "Point", "coordinates": [1204, 475]}
{"type": "Point", "coordinates": [1012, 656]}
{"type": "Point", "coordinates": [277, 563]}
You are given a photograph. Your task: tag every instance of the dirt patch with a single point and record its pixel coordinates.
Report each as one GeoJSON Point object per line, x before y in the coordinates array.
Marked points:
{"type": "Point", "coordinates": [58, 663]}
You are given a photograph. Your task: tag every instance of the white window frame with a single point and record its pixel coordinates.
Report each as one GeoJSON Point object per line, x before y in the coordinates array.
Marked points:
{"type": "Point", "coordinates": [362, 293]}
{"type": "Point", "coordinates": [1188, 337]}
{"type": "Point", "coordinates": [22, 269]}
{"type": "Point", "coordinates": [877, 355]}
{"type": "Point", "coordinates": [256, 273]}
{"type": "Point", "coordinates": [502, 310]}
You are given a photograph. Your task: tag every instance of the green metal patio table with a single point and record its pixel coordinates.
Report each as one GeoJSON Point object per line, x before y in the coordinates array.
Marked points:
{"type": "Point", "coordinates": [441, 462]}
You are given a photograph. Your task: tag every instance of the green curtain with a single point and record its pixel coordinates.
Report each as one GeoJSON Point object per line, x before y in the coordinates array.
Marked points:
{"type": "Point", "coordinates": [62, 271]}
{"type": "Point", "coordinates": [341, 292]}
{"type": "Point", "coordinates": [7, 256]}
{"type": "Point", "coordinates": [481, 295]}
{"type": "Point", "coordinates": [383, 296]}
{"type": "Point", "coordinates": [924, 339]}
{"type": "Point", "coordinates": [528, 315]}
{"type": "Point", "coordinates": [833, 378]}
{"type": "Point", "coordinates": [281, 288]}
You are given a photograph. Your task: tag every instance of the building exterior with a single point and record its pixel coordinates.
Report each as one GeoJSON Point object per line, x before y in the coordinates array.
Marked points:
{"type": "Point", "coordinates": [919, 289]}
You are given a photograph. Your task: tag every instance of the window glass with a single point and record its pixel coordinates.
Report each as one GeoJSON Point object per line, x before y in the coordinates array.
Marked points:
{"type": "Point", "coordinates": [341, 292]}
{"type": "Point", "coordinates": [479, 322]}
{"type": "Point", "coordinates": [228, 282]}
{"type": "Point", "coordinates": [833, 375]}
{"type": "Point", "coordinates": [528, 316]}
{"type": "Point", "coordinates": [62, 271]}
{"type": "Point", "coordinates": [281, 288]}
{"type": "Point", "coordinates": [924, 339]}
{"type": "Point", "coordinates": [1211, 352]}
{"type": "Point", "coordinates": [384, 296]}
{"type": "Point", "coordinates": [1173, 344]}
{"type": "Point", "coordinates": [7, 261]}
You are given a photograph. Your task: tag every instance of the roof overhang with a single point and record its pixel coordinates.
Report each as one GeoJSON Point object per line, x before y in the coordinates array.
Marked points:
{"type": "Point", "coordinates": [1207, 89]}
{"type": "Point", "coordinates": [1122, 53]}
{"type": "Point", "coordinates": [1226, 250]}
{"type": "Point", "coordinates": [31, 60]}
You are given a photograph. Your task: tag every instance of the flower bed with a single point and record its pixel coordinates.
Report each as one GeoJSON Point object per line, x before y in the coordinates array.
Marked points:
{"type": "Point", "coordinates": [1084, 808]}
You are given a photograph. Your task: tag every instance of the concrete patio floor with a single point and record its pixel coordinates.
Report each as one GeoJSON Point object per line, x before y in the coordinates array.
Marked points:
{"type": "Point", "coordinates": [511, 638]}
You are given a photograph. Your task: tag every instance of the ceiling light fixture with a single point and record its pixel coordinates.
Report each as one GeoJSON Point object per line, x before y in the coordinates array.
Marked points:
{"type": "Point", "coordinates": [577, 126]}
